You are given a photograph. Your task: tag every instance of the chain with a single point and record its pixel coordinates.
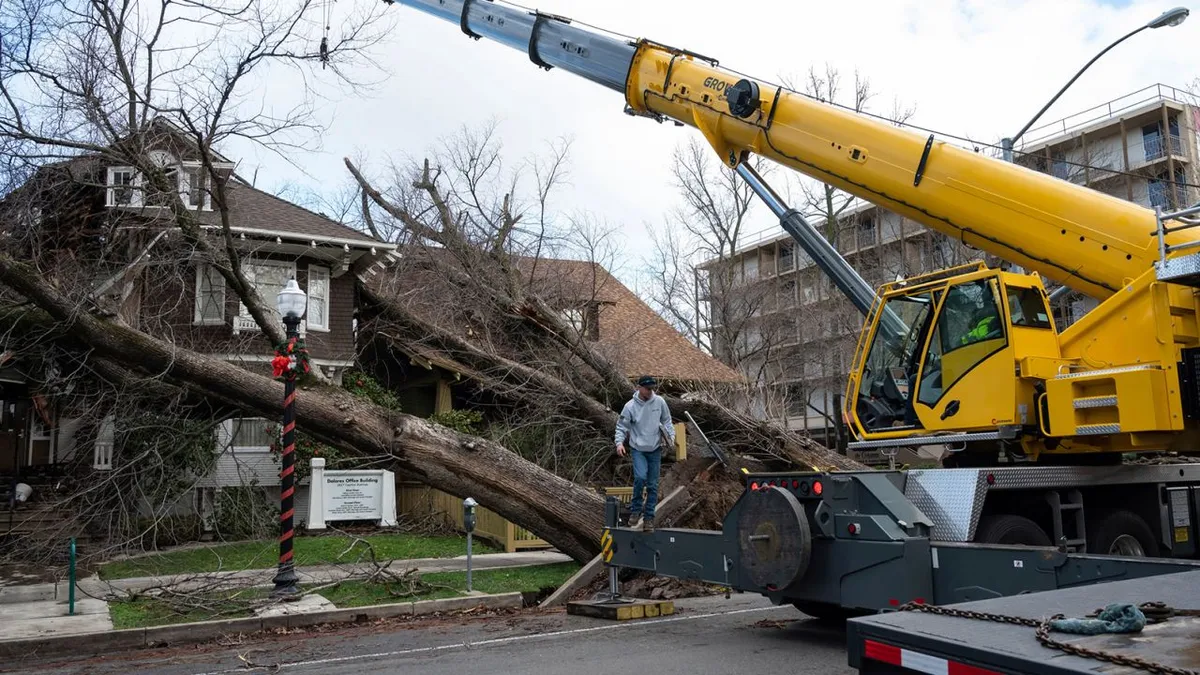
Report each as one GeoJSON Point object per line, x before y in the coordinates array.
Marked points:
{"type": "Point", "coordinates": [1155, 612]}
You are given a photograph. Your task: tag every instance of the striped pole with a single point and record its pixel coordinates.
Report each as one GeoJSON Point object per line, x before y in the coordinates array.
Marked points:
{"type": "Point", "coordinates": [285, 579]}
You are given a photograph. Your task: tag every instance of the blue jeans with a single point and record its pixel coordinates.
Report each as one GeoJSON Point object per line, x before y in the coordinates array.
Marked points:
{"type": "Point", "coordinates": [646, 467]}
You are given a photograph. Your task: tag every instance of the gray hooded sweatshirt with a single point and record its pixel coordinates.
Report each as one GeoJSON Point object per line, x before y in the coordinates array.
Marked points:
{"type": "Point", "coordinates": [644, 421]}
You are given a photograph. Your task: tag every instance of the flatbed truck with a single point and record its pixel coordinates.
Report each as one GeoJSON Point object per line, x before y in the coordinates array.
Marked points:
{"type": "Point", "coordinates": [999, 636]}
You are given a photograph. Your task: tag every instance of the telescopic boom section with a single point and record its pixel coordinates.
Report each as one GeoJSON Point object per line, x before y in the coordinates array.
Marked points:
{"type": "Point", "coordinates": [1084, 239]}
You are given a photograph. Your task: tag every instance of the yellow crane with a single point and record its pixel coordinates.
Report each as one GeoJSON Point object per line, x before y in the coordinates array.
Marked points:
{"type": "Point", "coordinates": [967, 357]}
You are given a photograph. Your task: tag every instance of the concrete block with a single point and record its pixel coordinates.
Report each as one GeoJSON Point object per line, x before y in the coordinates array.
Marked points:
{"type": "Point", "coordinates": [499, 601]}
{"type": "Point", "coordinates": [306, 604]}
{"type": "Point", "coordinates": [621, 611]}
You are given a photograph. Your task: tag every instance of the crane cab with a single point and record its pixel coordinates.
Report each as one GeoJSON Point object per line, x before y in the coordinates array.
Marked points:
{"type": "Point", "coordinates": [939, 359]}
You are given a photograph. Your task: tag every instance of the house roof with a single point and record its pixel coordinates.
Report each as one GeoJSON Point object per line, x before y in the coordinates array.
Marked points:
{"type": "Point", "coordinates": [631, 334]}
{"type": "Point", "coordinates": [256, 212]}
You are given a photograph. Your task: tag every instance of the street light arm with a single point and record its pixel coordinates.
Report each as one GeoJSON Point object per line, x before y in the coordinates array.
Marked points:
{"type": "Point", "coordinates": [1068, 84]}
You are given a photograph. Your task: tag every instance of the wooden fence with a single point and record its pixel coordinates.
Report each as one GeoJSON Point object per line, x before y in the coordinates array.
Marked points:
{"type": "Point", "coordinates": [416, 501]}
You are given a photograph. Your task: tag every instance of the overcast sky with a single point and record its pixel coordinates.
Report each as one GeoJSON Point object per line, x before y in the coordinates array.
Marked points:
{"type": "Point", "coordinates": [977, 68]}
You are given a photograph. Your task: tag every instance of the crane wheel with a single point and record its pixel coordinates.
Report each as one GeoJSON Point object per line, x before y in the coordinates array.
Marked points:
{"type": "Point", "coordinates": [1121, 532]}
{"type": "Point", "coordinates": [1010, 530]}
{"type": "Point", "coordinates": [774, 539]}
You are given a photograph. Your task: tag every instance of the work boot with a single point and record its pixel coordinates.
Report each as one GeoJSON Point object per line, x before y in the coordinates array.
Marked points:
{"type": "Point", "coordinates": [648, 524]}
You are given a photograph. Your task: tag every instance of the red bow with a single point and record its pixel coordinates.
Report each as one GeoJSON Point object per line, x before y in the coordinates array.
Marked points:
{"type": "Point", "coordinates": [280, 365]}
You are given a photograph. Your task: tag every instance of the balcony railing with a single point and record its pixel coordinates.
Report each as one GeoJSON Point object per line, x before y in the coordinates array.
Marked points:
{"type": "Point", "coordinates": [1152, 94]}
{"type": "Point", "coordinates": [1160, 195]}
{"type": "Point", "coordinates": [1156, 146]}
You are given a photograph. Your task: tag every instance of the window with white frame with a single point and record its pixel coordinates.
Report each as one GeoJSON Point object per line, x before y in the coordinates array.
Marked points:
{"type": "Point", "coordinates": [210, 297]}
{"type": "Point", "coordinates": [199, 196]}
{"type": "Point", "coordinates": [318, 297]}
{"type": "Point", "coordinates": [251, 434]}
{"type": "Point", "coordinates": [268, 277]}
{"type": "Point", "coordinates": [125, 185]}
{"type": "Point", "coordinates": [178, 178]}
{"type": "Point", "coordinates": [122, 187]}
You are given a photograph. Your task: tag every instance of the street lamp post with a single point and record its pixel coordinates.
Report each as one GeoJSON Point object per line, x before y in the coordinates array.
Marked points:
{"type": "Point", "coordinates": [291, 303]}
{"type": "Point", "coordinates": [1172, 17]}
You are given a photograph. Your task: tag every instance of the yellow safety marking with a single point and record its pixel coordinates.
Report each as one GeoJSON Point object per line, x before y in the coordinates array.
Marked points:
{"type": "Point", "coordinates": [606, 538]}
{"type": "Point", "coordinates": [608, 554]}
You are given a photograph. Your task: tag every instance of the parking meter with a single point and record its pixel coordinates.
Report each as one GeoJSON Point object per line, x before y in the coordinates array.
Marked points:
{"type": "Point", "coordinates": [469, 505]}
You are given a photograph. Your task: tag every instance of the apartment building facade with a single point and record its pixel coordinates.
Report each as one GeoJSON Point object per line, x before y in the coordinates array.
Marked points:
{"type": "Point", "coordinates": [769, 311]}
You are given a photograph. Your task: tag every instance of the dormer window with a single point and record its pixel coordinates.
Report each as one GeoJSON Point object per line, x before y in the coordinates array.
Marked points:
{"type": "Point", "coordinates": [176, 176]}
{"type": "Point", "coordinates": [125, 186]}
{"type": "Point", "coordinates": [122, 187]}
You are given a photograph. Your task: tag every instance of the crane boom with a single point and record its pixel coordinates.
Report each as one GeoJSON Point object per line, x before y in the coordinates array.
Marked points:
{"type": "Point", "coordinates": [1086, 240]}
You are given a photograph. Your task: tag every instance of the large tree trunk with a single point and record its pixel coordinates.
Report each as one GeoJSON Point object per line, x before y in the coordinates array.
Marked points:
{"type": "Point", "coordinates": [564, 514]}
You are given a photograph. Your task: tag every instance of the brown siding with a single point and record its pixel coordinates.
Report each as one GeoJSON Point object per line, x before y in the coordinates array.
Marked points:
{"type": "Point", "coordinates": [169, 302]}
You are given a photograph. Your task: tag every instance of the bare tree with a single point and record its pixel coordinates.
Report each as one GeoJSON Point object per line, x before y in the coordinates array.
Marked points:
{"type": "Point", "coordinates": [529, 317]}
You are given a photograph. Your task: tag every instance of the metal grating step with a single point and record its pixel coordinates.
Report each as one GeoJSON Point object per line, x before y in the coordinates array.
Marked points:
{"type": "Point", "coordinates": [1184, 270]}
{"type": "Point", "coordinates": [1097, 429]}
{"type": "Point", "coordinates": [1095, 402]}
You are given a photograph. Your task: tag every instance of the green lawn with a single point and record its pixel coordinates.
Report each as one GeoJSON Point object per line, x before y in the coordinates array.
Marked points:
{"type": "Point", "coordinates": [147, 611]}
{"type": "Point", "coordinates": [308, 551]}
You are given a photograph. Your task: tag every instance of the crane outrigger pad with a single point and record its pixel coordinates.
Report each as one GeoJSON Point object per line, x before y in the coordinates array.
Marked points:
{"type": "Point", "coordinates": [621, 610]}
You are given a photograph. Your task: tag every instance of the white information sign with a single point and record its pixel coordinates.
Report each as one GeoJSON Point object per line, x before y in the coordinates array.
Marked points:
{"type": "Point", "coordinates": [350, 495]}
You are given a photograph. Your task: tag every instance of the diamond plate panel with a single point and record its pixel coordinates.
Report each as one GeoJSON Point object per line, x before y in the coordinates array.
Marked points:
{"type": "Point", "coordinates": [1097, 429]}
{"type": "Point", "coordinates": [1104, 371]}
{"type": "Point", "coordinates": [1183, 270]}
{"type": "Point", "coordinates": [952, 498]}
{"type": "Point", "coordinates": [1023, 477]}
{"type": "Point", "coordinates": [1095, 402]}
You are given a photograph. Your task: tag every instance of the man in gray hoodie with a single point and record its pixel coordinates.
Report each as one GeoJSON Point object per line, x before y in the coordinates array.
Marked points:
{"type": "Point", "coordinates": [643, 429]}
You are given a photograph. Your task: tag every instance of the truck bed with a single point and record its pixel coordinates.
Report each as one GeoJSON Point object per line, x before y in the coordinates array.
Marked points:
{"type": "Point", "coordinates": [928, 643]}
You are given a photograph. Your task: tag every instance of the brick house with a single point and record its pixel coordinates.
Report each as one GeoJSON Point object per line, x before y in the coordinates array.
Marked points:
{"type": "Point", "coordinates": [145, 274]}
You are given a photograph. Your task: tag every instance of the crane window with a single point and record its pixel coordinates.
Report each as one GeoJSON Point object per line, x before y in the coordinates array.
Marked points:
{"type": "Point", "coordinates": [890, 369]}
{"type": "Point", "coordinates": [1026, 307]}
{"type": "Point", "coordinates": [969, 329]}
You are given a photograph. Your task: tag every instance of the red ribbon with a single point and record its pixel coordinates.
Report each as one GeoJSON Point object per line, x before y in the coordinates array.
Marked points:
{"type": "Point", "coordinates": [280, 365]}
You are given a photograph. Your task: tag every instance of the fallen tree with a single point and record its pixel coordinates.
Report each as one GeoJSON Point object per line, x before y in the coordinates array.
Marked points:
{"type": "Point", "coordinates": [566, 515]}
{"type": "Point", "coordinates": [460, 246]}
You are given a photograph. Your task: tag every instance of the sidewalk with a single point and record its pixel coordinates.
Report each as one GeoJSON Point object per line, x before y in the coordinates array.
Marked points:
{"type": "Point", "coordinates": [40, 610]}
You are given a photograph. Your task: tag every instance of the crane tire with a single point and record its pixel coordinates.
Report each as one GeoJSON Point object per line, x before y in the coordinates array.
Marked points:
{"type": "Point", "coordinates": [1121, 532]}
{"type": "Point", "coordinates": [1010, 529]}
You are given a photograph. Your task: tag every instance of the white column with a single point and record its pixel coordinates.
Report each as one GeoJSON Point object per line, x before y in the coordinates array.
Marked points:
{"type": "Point", "coordinates": [388, 500]}
{"type": "Point", "coordinates": [316, 494]}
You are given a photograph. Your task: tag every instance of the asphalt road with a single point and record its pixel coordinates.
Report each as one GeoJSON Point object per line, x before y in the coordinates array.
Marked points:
{"type": "Point", "coordinates": [706, 635]}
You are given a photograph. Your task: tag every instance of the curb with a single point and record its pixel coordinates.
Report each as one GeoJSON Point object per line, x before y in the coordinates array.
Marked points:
{"type": "Point", "coordinates": [89, 644]}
